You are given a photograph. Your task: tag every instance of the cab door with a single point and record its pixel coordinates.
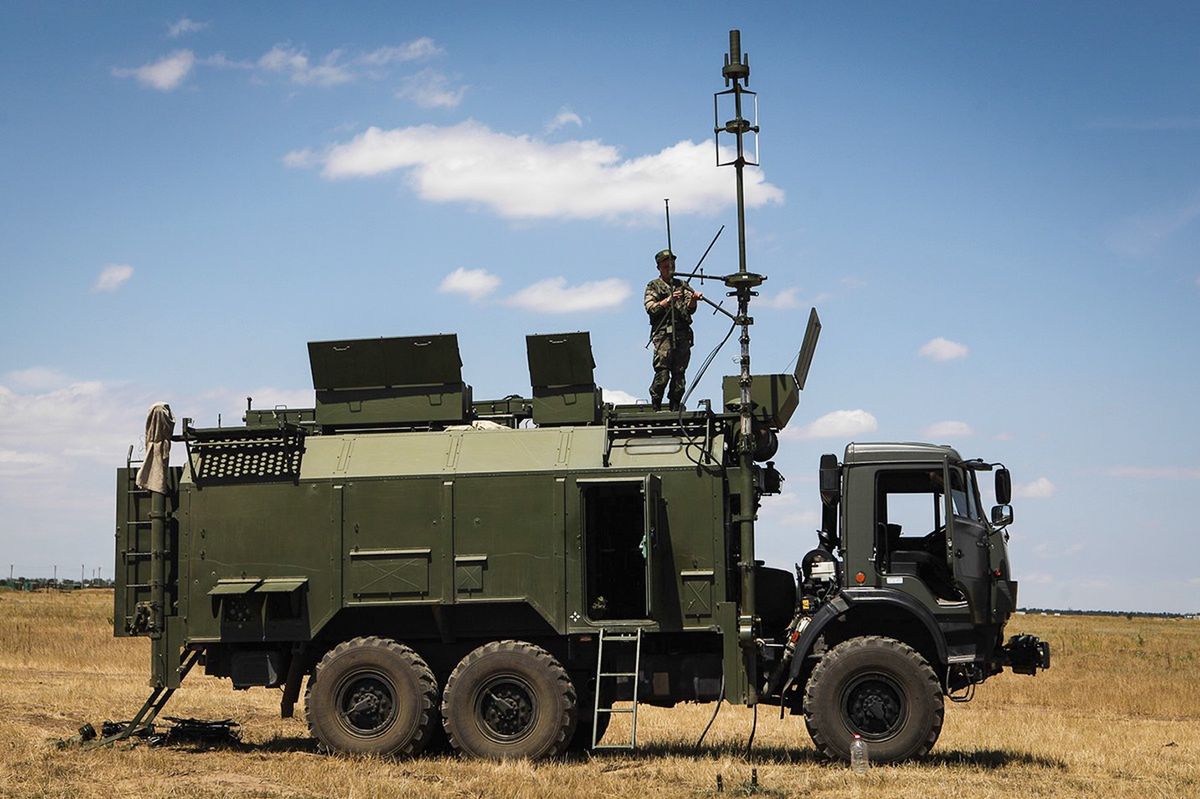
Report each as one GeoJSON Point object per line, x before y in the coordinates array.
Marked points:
{"type": "Point", "coordinates": [967, 544]}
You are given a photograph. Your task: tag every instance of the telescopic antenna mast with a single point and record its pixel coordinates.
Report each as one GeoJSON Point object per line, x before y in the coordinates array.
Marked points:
{"type": "Point", "coordinates": [742, 285]}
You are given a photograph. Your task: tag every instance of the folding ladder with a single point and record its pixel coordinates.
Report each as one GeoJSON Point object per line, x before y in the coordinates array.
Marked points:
{"type": "Point", "coordinates": [621, 637]}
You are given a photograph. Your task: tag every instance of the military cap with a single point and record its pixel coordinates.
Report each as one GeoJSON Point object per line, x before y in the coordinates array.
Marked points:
{"type": "Point", "coordinates": [663, 255]}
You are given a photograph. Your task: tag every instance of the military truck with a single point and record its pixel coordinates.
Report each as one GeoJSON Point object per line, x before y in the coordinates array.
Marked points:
{"type": "Point", "coordinates": [502, 571]}
{"type": "Point", "coordinates": [503, 576]}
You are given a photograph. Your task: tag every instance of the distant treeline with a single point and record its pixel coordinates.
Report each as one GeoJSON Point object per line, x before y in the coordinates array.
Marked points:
{"type": "Point", "coordinates": [1126, 613]}
{"type": "Point", "coordinates": [47, 584]}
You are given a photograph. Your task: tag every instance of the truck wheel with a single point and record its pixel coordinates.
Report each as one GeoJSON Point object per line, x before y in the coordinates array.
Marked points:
{"type": "Point", "coordinates": [372, 696]}
{"type": "Point", "coordinates": [878, 688]}
{"type": "Point", "coordinates": [509, 699]}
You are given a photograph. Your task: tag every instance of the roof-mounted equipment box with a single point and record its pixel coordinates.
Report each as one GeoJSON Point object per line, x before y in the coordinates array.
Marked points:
{"type": "Point", "coordinates": [409, 380]}
{"type": "Point", "coordinates": [562, 373]}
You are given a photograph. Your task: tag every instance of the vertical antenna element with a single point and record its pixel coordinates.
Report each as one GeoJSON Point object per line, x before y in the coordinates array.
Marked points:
{"type": "Point", "coordinates": [667, 206]}
{"type": "Point", "coordinates": [741, 284]}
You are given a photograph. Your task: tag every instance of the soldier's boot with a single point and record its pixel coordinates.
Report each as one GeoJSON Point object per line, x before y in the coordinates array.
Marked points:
{"type": "Point", "coordinates": [655, 402]}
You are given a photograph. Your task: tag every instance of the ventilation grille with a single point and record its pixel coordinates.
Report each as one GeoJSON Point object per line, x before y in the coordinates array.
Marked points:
{"type": "Point", "coordinates": [258, 460]}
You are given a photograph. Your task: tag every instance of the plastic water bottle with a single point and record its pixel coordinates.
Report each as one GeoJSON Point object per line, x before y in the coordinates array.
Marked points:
{"type": "Point", "coordinates": [860, 760]}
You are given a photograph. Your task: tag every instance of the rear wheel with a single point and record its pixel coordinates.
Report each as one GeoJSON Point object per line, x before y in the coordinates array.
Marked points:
{"type": "Point", "coordinates": [372, 696]}
{"type": "Point", "coordinates": [509, 699]}
{"type": "Point", "coordinates": [878, 688]}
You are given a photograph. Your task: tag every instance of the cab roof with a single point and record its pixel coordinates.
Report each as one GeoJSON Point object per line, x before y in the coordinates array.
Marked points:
{"type": "Point", "coordinates": [899, 451]}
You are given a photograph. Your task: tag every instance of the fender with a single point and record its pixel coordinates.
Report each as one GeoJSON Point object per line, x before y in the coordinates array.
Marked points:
{"type": "Point", "coordinates": [844, 602]}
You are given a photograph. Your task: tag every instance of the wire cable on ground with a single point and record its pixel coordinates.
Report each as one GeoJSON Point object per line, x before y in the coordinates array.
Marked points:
{"type": "Point", "coordinates": [716, 710]}
{"type": "Point", "coordinates": [753, 727]}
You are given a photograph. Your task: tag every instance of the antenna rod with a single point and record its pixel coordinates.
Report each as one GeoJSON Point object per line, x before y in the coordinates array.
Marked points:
{"type": "Point", "coordinates": [667, 206]}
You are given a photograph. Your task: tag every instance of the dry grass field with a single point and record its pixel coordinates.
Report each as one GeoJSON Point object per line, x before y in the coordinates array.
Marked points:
{"type": "Point", "coordinates": [1117, 716]}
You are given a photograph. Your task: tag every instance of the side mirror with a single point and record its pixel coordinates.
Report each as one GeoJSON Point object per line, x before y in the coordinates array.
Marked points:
{"type": "Point", "coordinates": [1003, 486]}
{"type": "Point", "coordinates": [831, 481]}
{"type": "Point", "coordinates": [1002, 515]}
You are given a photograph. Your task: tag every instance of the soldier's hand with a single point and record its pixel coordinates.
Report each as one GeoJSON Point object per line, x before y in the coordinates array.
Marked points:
{"type": "Point", "coordinates": [699, 296]}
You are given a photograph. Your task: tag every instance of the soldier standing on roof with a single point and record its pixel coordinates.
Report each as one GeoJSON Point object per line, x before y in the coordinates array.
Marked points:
{"type": "Point", "coordinates": [670, 303]}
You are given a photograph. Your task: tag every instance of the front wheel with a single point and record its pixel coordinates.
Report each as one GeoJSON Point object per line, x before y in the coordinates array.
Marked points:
{"type": "Point", "coordinates": [880, 689]}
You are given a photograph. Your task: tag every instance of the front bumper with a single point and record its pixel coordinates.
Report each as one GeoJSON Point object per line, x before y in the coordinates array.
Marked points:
{"type": "Point", "coordinates": [1025, 654]}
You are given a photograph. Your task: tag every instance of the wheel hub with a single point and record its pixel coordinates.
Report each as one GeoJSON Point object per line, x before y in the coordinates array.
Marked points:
{"type": "Point", "coordinates": [873, 706]}
{"type": "Point", "coordinates": [366, 705]}
{"type": "Point", "coordinates": [506, 709]}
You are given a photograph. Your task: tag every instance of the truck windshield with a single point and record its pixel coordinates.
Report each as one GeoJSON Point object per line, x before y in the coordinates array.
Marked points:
{"type": "Point", "coordinates": [962, 494]}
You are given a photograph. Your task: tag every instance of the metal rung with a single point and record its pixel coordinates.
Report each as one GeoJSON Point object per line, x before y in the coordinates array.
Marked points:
{"type": "Point", "coordinates": [632, 711]}
{"type": "Point", "coordinates": [139, 522]}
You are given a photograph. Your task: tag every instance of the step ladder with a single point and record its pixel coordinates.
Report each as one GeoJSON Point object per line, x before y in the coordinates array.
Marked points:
{"type": "Point", "coordinates": [143, 722]}
{"type": "Point", "coordinates": [617, 637]}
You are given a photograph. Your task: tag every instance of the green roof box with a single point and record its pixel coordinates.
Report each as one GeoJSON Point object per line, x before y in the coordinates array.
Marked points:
{"type": "Point", "coordinates": [373, 382]}
{"type": "Point", "coordinates": [562, 373]}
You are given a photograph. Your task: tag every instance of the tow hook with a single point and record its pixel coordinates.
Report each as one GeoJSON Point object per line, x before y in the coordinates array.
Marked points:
{"type": "Point", "coordinates": [1025, 654]}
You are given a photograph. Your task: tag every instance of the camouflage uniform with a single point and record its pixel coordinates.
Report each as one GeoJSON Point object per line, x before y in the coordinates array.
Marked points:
{"type": "Point", "coordinates": [672, 340]}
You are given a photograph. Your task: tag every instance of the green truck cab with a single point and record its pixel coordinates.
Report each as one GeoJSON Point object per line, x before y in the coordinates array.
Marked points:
{"type": "Point", "coordinates": [496, 574]}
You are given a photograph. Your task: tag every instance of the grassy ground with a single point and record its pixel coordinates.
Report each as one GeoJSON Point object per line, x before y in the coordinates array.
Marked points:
{"type": "Point", "coordinates": [1118, 715]}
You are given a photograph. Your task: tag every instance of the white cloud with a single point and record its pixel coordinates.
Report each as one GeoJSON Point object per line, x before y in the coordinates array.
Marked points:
{"type": "Point", "coordinates": [475, 283]}
{"type": "Point", "coordinates": [553, 295]}
{"type": "Point", "coordinates": [564, 117]}
{"type": "Point", "coordinates": [942, 349]}
{"type": "Point", "coordinates": [165, 74]}
{"type": "Point", "coordinates": [333, 69]}
{"type": "Point", "coordinates": [112, 277]}
{"type": "Point", "coordinates": [294, 63]}
{"type": "Point", "coordinates": [1040, 488]}
{"type": "Point", "coordinates": [782, 301]}
{"type": "Point", "coordinates": [416, 50]}
{"type": "Point", "coordinates": [948, 429]}
{"type": "Point", "coordinates": [790, 510]}
{"type": "Point", "coordinates": [431, 89]}
{"type": "Point", "coordinates": [836, 424]}
{"type": "Point", "coordinates": [1156, 472]}
{"type": "Point", "coordinates": [618, 397]}
{"type": "Point", "coordinates": [300, 159]}
{"type": "Point", "coordinates": [37, 378]}
{"type": "Point", "coordinates": [59, 445]}
{"type": "Point", "coordinates": [184, 25]}
{"type": "Point", "coordinates": [1142, 234]}
{"type": "Point", "coordinates": [222, 61]}
{"type": "Point", "coordinates": [522, 177]}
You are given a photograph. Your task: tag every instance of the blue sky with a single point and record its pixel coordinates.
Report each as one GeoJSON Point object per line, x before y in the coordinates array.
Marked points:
{"type": "Point", "coordinates": [994, 207]}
